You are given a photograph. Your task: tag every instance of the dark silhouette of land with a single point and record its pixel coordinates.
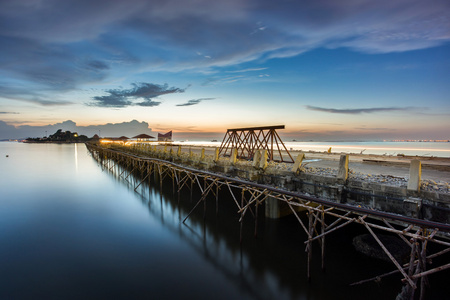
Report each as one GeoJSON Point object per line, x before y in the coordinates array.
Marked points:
{"type": "Point", "coordinates": [61, 137]}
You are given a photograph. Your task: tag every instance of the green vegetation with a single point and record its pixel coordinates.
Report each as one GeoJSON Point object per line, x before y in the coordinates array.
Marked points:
{"type": "Point", "coordinates": [60, 137]}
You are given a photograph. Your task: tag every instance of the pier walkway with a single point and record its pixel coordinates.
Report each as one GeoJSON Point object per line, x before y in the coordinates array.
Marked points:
{"type": "Point", "coordinates": [320, 205]}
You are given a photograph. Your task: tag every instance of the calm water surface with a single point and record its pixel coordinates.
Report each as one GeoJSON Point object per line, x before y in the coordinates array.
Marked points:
{"type": "Point", "coordinates": [437, 149]}
{"type": "Point", "coordinates": [71, 230]}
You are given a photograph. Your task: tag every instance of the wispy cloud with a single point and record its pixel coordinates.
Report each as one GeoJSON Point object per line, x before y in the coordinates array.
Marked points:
{"type": "Point", "coordinates": [247, 70]}
{"type": "Point", "coordinates": [8, 112]}
{"type": "Point", "coordinates": [223, 80]}
{"type": "Point", "coordinates": [85, 42]}
{"type": "Point", "coordinates": [355, 111]}
{"type": "Point", "coordinates": [194, 101]}
{"type": "Point", "coordinates": [23, 94]}
{"type": "Point", "coordinates": [374, 128]}
{"type": "Point", "coordinates": [144, 91]}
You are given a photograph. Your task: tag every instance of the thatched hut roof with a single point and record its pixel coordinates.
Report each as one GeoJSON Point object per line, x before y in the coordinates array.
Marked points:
{"type": "Point", "coordinates": [143, 136]}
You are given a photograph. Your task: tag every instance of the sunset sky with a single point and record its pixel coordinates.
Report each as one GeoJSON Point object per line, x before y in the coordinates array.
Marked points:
{"type": "Point", "coordinates": [326, 69]}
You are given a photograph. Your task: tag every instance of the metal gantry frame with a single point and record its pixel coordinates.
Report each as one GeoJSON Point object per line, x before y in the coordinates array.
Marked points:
{"type": "Point", "coordinates": [324, 216]}
{"type": "Point", "coordinates": [248, 140]}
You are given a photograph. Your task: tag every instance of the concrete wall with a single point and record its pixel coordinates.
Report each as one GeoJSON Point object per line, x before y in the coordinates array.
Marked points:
{"type": "Point", "coordinates": [408, 201]}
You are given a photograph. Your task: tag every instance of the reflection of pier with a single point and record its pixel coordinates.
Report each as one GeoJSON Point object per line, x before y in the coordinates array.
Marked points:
{"type": "Point", "coordinates": [198, 237]}
{"type": "Point", "coordinates": [323, 216]}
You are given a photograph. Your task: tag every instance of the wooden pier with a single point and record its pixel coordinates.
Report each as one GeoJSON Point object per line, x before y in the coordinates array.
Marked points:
{"type": "Point", "coordinates": [318, 217]}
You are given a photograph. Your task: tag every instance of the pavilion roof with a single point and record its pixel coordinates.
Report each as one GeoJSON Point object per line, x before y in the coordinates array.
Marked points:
{"type": "Point", "coordinates": [143, 136]}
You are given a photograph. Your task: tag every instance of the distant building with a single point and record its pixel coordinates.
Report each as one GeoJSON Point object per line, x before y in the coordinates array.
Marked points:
{"type": "Point", "coordinates": [143, 137]}
{"type": "Point", "coordinates": [167, 137]}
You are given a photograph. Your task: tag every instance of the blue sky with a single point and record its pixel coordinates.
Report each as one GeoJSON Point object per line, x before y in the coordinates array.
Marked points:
{"type": "Point", "coordinates": [327, 70]}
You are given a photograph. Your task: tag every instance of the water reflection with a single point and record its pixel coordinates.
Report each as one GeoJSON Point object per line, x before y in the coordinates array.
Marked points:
{"type": "Point", "coordinates": [267, 267]}
{"type": "Point", "coordinates": [76, 156]}
{"type": "Point", "coordinates": [83, 232]}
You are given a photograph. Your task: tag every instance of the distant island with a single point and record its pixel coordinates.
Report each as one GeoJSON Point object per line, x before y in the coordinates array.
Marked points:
{"type": "Point", "coordinates": [61, 137]}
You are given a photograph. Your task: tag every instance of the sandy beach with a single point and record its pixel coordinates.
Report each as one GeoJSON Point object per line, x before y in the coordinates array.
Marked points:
{"type": "Point", "coordinates": [382, 168]}
{"type": "Point", "coordinates": [433, 168]}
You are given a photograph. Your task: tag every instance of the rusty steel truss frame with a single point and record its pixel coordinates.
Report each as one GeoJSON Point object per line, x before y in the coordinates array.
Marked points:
{"type": "Point", "coordinates": [323, 216]}
{"type": "Point", "coordinates": [248, 140]}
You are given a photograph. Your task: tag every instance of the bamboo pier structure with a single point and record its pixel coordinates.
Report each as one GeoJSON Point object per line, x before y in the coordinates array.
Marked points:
{"type": "Point", "coordinates": [316, 216]}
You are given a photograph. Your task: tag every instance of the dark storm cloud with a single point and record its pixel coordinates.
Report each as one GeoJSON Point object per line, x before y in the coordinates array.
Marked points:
{"type": "Point", "coordinates": [145, 91]}
{"type": "Point", "coordinates": [355, 111]}
{"type": "Point", "coordinates": [194, 101]}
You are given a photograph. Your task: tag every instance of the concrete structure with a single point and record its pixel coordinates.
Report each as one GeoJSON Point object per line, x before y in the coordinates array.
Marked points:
{"type": "Point", "coordinates": [415, 173]}
{"type": "Point", "coordinates": [408, 201]}
{"type": "Point", "coordinates": [298, 163]}
{"type": "Point", "coordinates": [343, 168]}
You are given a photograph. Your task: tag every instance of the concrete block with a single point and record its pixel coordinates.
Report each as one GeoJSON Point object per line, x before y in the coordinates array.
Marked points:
{"type": "Point", "coordinates": [233, 157]}
{"type": "Point", "coordinates": [256, 159]}
{"type": "Point", "coordinates": [298, 162]}
{"type": "Point", "coordinates": [411, 207]}
{"type": "Point", "coordinates": [202, 156]}
{"type": "Point", "coordinates": [216, 155]}
{"type": "Point", "coordinates": [263, 161]}
{"type": "Point", "coordinates": [343, 167]}
{"type": "Point", "coordinates": [415, 173]}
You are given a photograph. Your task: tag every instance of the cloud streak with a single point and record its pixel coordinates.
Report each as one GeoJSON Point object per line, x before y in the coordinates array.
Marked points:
{"type": "Point", "coordinates": [247, 70]}
{"type": "Point", "coordinates": [82, 42]}
{"type": "Point", "coordinates": [194, 101]}
{"type": "Point", "coordinates": [356, 111]}
{"type": "Point", "coordinates": [144, 91]}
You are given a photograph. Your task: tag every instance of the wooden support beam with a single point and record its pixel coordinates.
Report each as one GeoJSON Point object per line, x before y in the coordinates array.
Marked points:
{"type": "Point", "coordinates": [411, 283]}
{"type": "Point", "coordinates": [252, 195]}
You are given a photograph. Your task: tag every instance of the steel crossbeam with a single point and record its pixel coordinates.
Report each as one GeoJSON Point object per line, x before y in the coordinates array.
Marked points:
{"type": "Point", "coordinates": [249, 140]}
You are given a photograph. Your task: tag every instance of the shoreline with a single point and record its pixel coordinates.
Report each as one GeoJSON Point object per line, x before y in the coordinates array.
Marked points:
{"type": "Point", "coordinates": [434, 169]}
{"type": "Point", "coordinates": [377, 148]}
{"type": "Point", "coordinates": [430, 160]}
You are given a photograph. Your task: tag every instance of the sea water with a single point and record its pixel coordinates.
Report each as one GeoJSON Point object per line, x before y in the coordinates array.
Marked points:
{"type": "Point", "coordinates": [72, 229]}
{"type": "Point", "coordinates": [436, 149]}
